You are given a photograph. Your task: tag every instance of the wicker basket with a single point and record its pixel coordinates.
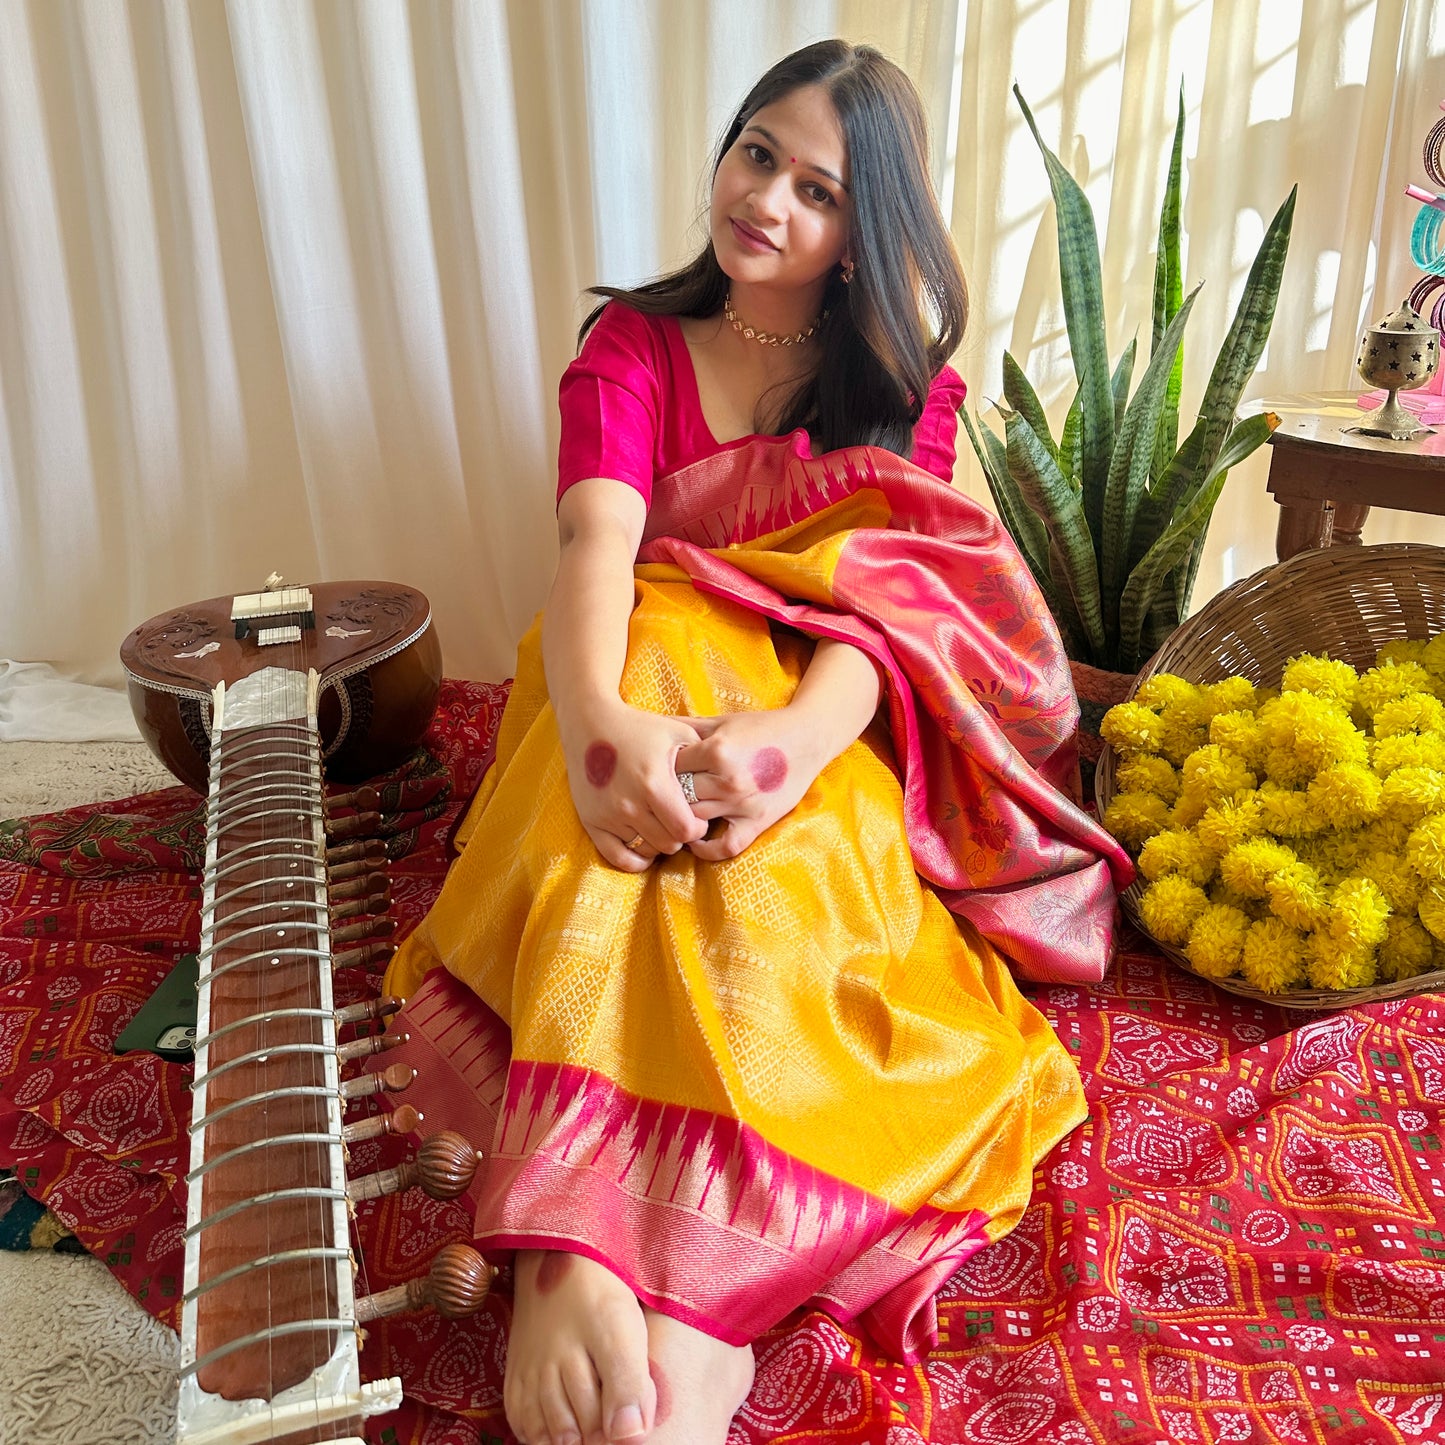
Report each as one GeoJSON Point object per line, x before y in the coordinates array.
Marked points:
{"type": "Point", "coordinates": [1345, 602]}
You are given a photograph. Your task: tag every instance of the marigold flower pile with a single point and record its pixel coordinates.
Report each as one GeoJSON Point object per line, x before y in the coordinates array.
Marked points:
{"type": "Point", "coordinates": [1294, 837]}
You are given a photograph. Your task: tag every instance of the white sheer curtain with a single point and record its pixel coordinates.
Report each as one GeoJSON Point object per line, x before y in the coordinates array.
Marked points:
{"type": "Point", "coordinates": [287, 284]}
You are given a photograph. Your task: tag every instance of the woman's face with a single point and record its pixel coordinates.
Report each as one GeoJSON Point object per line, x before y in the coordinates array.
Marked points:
{"type": "Point", "coordinates": [780, 205]}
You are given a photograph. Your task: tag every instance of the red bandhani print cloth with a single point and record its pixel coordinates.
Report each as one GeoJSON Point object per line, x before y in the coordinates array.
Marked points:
{"type": "Point", "coordinates": [1245, 1242]}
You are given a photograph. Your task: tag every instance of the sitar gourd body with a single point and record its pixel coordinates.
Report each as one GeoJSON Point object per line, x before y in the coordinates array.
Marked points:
{"type": "Point", "coordinates": [250, 699]}
{"type": "Point", "coordinates": [372, 644]}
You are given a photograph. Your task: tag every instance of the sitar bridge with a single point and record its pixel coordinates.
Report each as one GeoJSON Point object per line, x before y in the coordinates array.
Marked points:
{"type": "Point", "coordinates": [274, 616]}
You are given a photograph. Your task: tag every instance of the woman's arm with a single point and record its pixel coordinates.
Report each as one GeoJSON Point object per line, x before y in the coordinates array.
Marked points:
{"type": "Point", "coordinates": [619, 758]}
{"type": "Point", "coordinates": [752, 768]}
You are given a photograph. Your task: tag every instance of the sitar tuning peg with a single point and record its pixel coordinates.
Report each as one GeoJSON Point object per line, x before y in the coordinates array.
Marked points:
{"type": "Point", "coordinates": [374, 903]}
{"type": "Point", "coordinates": [363, 800]}
{"type": "Point", "coordinates": [378, 927]}
{"type": "Point", "coordinates": [368, 953]}
{"type": "Point", "coordinates": [391, 1080]}
{"type": "Point", "coordinates": [456, 1285]}
{"type": "Point", "coordinates": [364, 1048]}
{"type": "Point", "coordinates": [362, 882]}
{"type": "Point", "coordinates": [443, 1168]}
{"type": "Point", "coordinates": [371, 851]}
{"type": "Point", "coordinates": [353, 825]}
{"type": "Point", "coordinates": [403, 1120]}
{"type": "Point", "coordinates": [368, 1011]}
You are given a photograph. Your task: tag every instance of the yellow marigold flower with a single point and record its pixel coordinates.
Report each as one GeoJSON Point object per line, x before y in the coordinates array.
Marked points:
{"type": "Point", "coordinates": [1388, 682]}
{"type": "Point", "coordinates": [1432, 653]}
{"type": "Point", "coordinates": [1164, 689]}
{"type": "Point", "coordinates": [1274, 956]}
{"type": "Point", "coordinates": [1408, 750]}
{"type": "Point", "coordinates": [1394, 877]}
{"type": "Point", "coordinates": [1285, 812]}
{"type": "Point", "coordinates": [1240, 733]}
{"type": "Point", "coordinates": [1333, 855]}
{"type": "Point", "coordinates": [1431, 908]}
{"type": "Point", "coordinates": [1346, 795]}
{"type": "Point", "coordinates": [1224, 895]}
{"type": "Point", "coordinates": [1425, 848]}
{"type": "Point", "coordinates": [1176, 850]}
{"type": "Point", "coordinates": [1180, 735]}
{"type": "Point", "coordinates": [1385, 835]}
{"type": "Point", "coordinates": [1170, 906]}
{"type": "Point", "coordinates": [1403, 650]}
{"type": "Point", "coordinates": [1298, 895]}
{"type": "Point", "coordinates": [1216, 941]}
{"type": "Point", "coordinates": [1133, 817]}
{"type": "Point", "coordinates": [1230, 821]}
{"type": "Point", "coordinates": [1335, 965]}
{"type": "Point", "coordinates": [1357, 914]}
{"type": "Point", "coordinates": [1249, 866]}
{"type": "Point", "coordinates": [1130, 727]}
{"type": "Point", "coordinates": [1317, 731]}
{"type": "Point", "coordinates": [1410, 794]}
{"type": "Point", "coordinates": [1232, 694]}
{"type": "Point", "coordinates": [1214, 772]}
{"type": "Point", "coordinates": [1416, 712]}
{"type": "Point", "coordinates": [1189, 807]}
{"type": "Point", "coordinates": [1145, 773]}
{"type": "Point", "coordinates": [1334, 681]}
{"type": "Point", "coordinates": [1286, 767]}
{"type": "Point", "coordinates": [1408, 950]}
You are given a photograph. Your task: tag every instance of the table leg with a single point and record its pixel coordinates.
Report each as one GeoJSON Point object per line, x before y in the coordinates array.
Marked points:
{"type": "Point", "coordinates": [1349, 522]}
{"type": "Point", "coordinates": [1303, 523]}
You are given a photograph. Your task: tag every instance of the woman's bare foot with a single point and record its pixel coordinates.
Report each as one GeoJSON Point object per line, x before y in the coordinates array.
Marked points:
{"type": "Point", "coordinates": [701, 1382]}
{"type": "Point", "coordinates": [577, 1357]}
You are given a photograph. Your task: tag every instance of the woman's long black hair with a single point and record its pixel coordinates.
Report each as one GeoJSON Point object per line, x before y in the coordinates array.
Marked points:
{"type": "Point", "coordinates": [890, 330]}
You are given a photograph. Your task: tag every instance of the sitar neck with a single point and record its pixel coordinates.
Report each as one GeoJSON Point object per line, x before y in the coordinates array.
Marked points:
{"type": "Point", "coordinates": [269, 1334]}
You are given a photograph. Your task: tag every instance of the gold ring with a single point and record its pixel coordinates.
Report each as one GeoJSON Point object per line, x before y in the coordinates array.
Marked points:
{"type": "Point", "coordinates": [689, 791]}
{"type": "Point", "coordinates": [635, 843]}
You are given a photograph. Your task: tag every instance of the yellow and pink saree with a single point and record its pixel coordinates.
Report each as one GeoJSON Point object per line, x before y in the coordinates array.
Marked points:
{"type": "Point", "coordinates": [804, 1075]}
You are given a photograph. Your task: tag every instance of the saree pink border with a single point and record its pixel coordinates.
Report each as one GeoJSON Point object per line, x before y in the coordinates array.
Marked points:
{"type": "Point", "coordinates": [725, 1231]}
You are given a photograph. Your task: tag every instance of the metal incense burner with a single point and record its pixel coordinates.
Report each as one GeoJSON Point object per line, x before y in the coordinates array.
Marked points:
{"type": "Point", "coordinates": [1401, 351]}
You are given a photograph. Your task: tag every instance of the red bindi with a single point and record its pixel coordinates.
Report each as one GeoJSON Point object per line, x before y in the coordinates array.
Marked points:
{"type": "Point", "coordinates": [600, 761]}
{"type": "Point", "coordinates": [555, 1268]}
{"type": "Point", "coordinates": [770, 769]}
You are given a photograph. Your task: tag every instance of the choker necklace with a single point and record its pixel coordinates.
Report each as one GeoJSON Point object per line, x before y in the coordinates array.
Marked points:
{"type": "Point", "coordinates": [769, 338]}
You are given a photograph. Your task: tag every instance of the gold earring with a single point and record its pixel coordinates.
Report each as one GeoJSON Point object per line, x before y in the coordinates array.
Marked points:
{"type": "Point", "coordinates": [848, 272]}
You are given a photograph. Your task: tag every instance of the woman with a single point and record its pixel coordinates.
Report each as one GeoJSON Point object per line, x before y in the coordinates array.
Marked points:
{"type": "Point", "coordinates": [731, 1052]}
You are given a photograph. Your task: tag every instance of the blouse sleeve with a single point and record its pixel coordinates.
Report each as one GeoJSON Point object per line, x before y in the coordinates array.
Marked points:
{"type": "Point", "coordinates": [610, 400]}
{"type": "Point", "coordinates": [936, 433]}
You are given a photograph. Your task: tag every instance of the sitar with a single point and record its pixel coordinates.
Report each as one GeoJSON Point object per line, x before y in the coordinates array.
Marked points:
{"type": "Point", "coordinates": [254, 700]}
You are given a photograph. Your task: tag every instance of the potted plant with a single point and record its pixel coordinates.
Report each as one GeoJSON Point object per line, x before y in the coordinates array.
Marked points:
{"type": "Point", "coordinates": [1111, 516]}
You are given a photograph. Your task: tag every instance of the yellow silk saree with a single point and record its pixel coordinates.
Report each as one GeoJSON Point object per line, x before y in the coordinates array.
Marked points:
{"type": "Point", "coordinates": [805, 1074]}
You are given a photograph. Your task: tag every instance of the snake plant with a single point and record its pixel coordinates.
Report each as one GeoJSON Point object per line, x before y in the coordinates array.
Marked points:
{"type": "Point", "coordinates": [1111, 517]}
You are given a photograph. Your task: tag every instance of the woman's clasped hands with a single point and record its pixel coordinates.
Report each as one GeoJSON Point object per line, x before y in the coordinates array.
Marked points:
{"type": "Point", "coordinates": [746, 773]}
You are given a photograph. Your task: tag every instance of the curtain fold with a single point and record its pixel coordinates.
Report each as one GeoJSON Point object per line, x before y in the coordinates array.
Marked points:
{"type": "Point", "coordinates": [288, 284]}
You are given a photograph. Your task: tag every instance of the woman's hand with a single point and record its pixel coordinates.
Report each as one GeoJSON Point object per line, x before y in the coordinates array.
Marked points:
{"type": "Point", "coordinates": [621, 768]}
{"type": "Point", "coordinates": [749, 769]}
{"type": "Point", "coordinates": [752, 768]}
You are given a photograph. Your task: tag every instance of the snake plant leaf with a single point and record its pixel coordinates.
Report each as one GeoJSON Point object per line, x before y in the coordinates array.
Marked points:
{"type": "Point", "coordinates": [1245, 439]}
{"type": "Point", "coordinates": [1133, 456]}
{"type": "Point", "coordinates": [1169, 296]}
{"type": "Point", "coordinates": [1069, 444]}
{"type": "Point", "coordinates": [1174, 546]}
{"type": "Point", "coordinates": [1023, 524]}
{"type": "Point", "coordinates": [1244, 343]}
{"type": "Point", "coordinates": [1119, 385]}
{"type": "Point", "coordinates": [1073, 568]}
{"type": "Point", "coordinates": [1083, 289]}
{"type": "Point", "coordinates": [1019, 392]}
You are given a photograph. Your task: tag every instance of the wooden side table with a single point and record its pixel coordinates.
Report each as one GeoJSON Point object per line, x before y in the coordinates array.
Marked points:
{"type": "Point", "coordinates": [1326, 481]}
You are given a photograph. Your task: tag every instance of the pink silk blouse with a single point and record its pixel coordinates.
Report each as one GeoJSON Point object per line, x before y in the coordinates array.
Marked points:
{"type": "Point", "coordinates": [631, 410]}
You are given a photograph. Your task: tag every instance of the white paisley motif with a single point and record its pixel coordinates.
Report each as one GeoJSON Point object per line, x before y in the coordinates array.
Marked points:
{"type": "Point", "coordinates": [1318, 1048]}
{"type": "Point", "coordinates": [790, 1378]}
{"type": "Point", "coordinates": [1309, 1337]}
